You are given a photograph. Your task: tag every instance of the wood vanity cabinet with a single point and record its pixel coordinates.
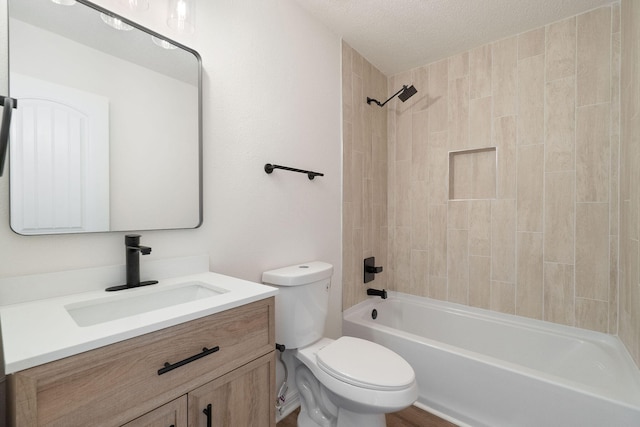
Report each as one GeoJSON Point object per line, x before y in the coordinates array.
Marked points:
{"type": "Point", "coordinates": [170, 414]}
{"type": "Point", "coordinates": [168, 377]}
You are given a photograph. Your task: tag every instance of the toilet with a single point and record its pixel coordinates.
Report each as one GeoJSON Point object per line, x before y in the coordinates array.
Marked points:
{"type": "Point", "coordinates": [347, 382]}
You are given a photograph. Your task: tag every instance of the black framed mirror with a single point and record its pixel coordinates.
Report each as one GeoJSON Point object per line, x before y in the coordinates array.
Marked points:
{"type": "Point", "coordinates": [108, 133]}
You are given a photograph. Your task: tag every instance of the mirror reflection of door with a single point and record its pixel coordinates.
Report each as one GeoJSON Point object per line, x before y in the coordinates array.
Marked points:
{"type": "Point", "coordinates": [60, 162]}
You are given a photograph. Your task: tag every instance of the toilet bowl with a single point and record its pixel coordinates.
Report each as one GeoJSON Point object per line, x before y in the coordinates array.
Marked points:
{"type": "Point", "coordinates": [360, 376]}
{"type": "Point", "coordinates": [347, 382]}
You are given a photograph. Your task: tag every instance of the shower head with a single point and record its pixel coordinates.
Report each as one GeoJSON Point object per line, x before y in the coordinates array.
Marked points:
{"type": "Point", "coordinates": [405, 93]}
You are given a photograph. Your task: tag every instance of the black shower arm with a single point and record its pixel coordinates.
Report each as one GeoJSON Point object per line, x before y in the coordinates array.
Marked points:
{"type": "Point", "coordinates": [370, 100]}
{"type": "Point", "coordinates": [9, 104]}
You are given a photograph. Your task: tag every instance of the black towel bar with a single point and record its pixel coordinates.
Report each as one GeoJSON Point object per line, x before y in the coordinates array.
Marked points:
{"type": "Point", "coordinates": [268, 168]}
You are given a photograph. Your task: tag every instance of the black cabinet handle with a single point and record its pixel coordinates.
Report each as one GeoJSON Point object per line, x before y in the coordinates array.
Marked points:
{"type": "Point", "coordinates": [205, 352]}
{"type": "Point", "coordinates": [208, 413]}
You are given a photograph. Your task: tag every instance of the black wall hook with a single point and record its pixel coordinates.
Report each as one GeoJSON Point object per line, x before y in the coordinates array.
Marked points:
{"type": "Point", "coordinates": [268, 168]}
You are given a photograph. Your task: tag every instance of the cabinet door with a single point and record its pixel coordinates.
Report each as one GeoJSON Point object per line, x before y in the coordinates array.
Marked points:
{"type": "Point", "coordinates": [244, 397]}
{"type": "Point", "coordinates": [172, 414]}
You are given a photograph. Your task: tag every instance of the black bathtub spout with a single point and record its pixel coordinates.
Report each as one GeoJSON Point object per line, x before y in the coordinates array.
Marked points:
{"type": "Point", "coordinates": [375, 292]}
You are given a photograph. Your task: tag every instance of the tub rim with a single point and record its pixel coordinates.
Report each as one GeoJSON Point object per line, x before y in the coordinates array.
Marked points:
{"type": "Point", "coordinates": [357, 314]}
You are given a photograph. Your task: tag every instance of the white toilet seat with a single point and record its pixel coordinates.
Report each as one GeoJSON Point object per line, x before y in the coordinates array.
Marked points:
{"type": "Point", "coordinates": [384, 398]}
{"type": "Point", "coordinates": [365, 364]}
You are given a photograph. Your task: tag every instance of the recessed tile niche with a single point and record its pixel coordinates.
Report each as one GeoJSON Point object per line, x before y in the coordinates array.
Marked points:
{"type": "Point", "coordinates": [472, 174]}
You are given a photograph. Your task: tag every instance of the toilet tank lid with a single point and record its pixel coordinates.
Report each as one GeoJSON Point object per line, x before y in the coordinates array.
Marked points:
{"type": "Point", "coordinates": [299, 274]}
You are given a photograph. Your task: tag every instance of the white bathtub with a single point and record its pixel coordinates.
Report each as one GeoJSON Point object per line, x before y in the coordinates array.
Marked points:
{"type": "Point", "coordinates": [485, 369]}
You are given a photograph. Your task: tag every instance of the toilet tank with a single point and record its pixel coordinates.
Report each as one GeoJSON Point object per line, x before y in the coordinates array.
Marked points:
{"type": "Point", "coordinates": [301, 303]}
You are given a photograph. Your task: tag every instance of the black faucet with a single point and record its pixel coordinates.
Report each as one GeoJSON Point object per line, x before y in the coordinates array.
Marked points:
{"type": "Point", "coordinates": [132, 252]}
{"type": "Point", "coordinates": [382, 294]}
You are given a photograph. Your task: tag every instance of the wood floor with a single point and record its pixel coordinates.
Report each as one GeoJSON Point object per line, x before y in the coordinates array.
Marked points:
{"type": "Point", "coordinates": [410, 417]}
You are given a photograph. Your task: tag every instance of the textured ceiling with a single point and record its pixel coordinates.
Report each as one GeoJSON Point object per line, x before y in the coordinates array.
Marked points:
{"type": "Point", "coordinates": [397, 35]}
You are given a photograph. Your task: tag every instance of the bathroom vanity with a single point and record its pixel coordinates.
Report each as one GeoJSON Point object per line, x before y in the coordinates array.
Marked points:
{"type": "Point", "coordinates": [207, 361]}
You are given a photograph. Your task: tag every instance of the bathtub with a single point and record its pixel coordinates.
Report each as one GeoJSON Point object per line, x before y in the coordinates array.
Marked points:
{"type": "Point", "coordinates": [484, 369]}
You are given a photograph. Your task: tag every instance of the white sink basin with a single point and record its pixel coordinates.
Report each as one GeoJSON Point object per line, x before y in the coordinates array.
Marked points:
{"type": "Point", "coordinates": [93, 312]}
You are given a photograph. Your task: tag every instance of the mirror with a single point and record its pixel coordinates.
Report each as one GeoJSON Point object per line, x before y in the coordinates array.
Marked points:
{"type": "Point", "coordinates": [107, 135]}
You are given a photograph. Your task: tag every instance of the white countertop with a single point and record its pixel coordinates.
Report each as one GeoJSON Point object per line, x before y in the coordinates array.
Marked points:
{"type": "Point", "coordinates": [42, 331]}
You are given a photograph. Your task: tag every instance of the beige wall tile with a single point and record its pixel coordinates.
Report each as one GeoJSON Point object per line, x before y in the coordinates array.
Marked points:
{"type": "Point", "coordinates": [592, 314]}
{"type": "Point", "coordinates": [531, 88]}
{"type": "Point", "coordinates": [402, 255]}
{"type": "Point", "coordinates": [614, 172]}
{"type": "Point", "coordinates": [480, 72]}
{"type": "Point", "coordinates": [357, 186]}
{"type": "Point", "coordinates": [391, 190]}
{"type": "Point", "coordinates": [403, 193]}
{"type": "Point", "coordinates": [356, 265]}
{"type": "Point", "coordinates": [459, 65]}
{"type": "Point", "coordinates": [419, 277]}
{"type": "Point", "coordinates": [560, 125]}
{"type": "Point", "coordinates": [615, 78]}
{"type": "Point", "coordinates": [459, 113]}
{"type": "Point", "coordinates": [367, 216]}
{"type": "Point", "coordinates": [503, 240]}
{"type": "Point", "coordinates": [404, 133]}
{"type": "Point", "coordinates": [613, 285]}
{"type": "Point", "coordinates": [347, 158]}
{"type": "Point", "coordinates": [505, 141]}
{"type": "Point", "coordinates": [390, 270]}
{"type": "Point", "coordinates": [438, 96]}
{"type": "Point", "coordinates": [530, 284]}
{"type": "Point", "coordinates": [458, 266]}
{"type": "Point", "coordinates": [480, 281]}
{"type": "Point", "coordinates": [364, 228]}
{"type": "Point", "coordinates": [615, 17]}
{"type": "Point", "coordinates": [561, 49]}
{"type": "Point", "coordinates": [503, 297]}
{"type": "Point", "coordinates": [531, 43]}
{"type": "Point", "coordinates": [592, 251]}
{"type": "Point", "coordinates": [558, 293]}
{"type": "Point", "coordinates": [480, 228]}
{"type": "Point", "coordinates": [505, 77]}
{"type": "Point", "coordinates": [437, 249]}
{"type": "Point", "coordinates": [380, 171]}
{"type": "Point", "coordinates": [438, 167]}
{"type": "Point", "coordinates": [594, 57]}
{"type": "Point", "coordinates": [438, 288]}
{"type": "Point", "coordinates": [592, 153]}
{"type": "Point", "coordinates": [530, 187]}
{"type": "Point", "coordinates": [419, 146]}
{"type": "Point", "coordinates": [419, 215]}
{"type": "Point", "coordinates": [357, 63]}
{"type": "Point", "coordinates": [358, 114]}
{"type": "Point", "coordinates": [458, 215]}
{"type": "Point", "coordinates": [480, 122]}
{"type": "Point", "coordinates": [559, 217]}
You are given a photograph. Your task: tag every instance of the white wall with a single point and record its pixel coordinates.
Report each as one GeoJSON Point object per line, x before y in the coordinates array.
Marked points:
{"type": "Point", "coordinates": [271, 95]}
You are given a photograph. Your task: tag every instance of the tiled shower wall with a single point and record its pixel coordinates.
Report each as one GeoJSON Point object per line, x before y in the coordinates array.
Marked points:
{"type": "Point", "coordinates": [364, 223]}
{"type": "Point", "coordinates": [630, 179]}
{"type": "Point", "coordinates": [545, 244]}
